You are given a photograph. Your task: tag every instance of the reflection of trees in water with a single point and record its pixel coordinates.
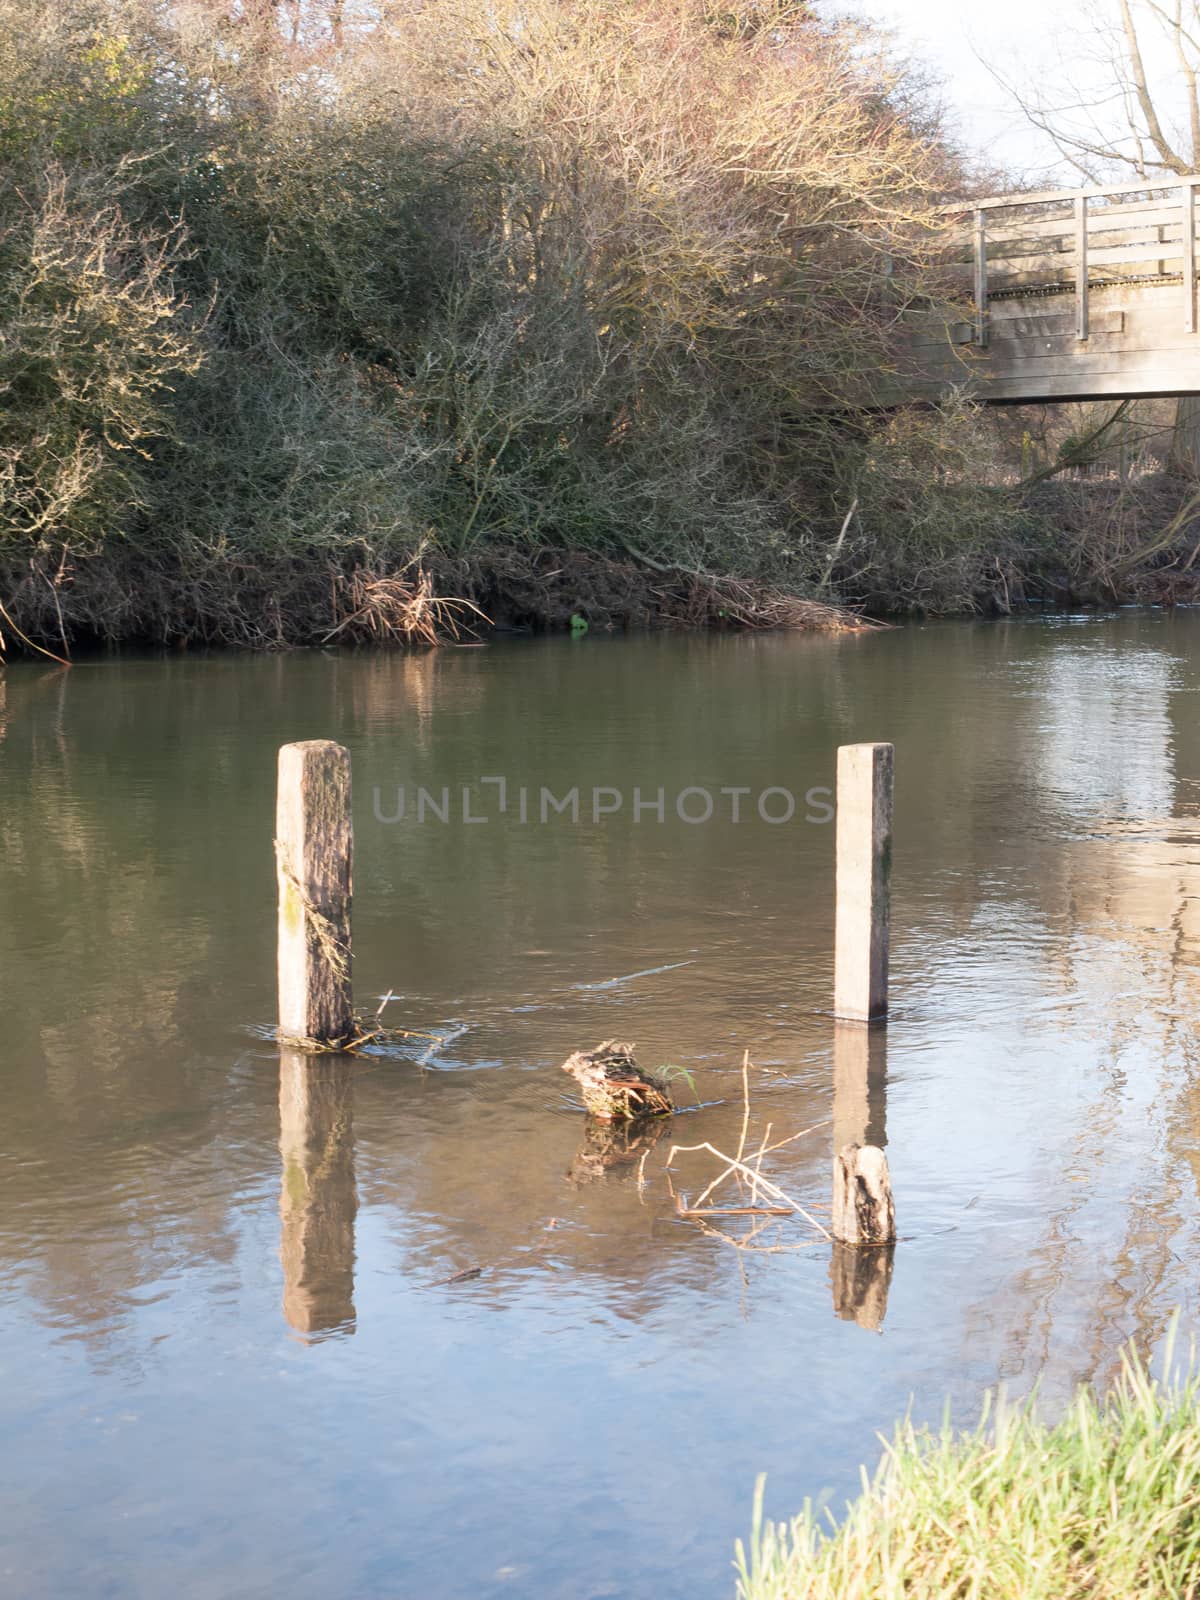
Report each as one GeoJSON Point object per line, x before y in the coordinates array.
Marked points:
{"type": "Point", "coordinates": [1119, 1246]}
{"type": "Point", "coordinates": [114, 1173]}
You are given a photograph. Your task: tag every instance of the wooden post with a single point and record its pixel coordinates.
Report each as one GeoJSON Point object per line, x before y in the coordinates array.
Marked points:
{"type": "Point", "coordinates": [863, 1212]}
{"type": "Point", "coordinates": [1189, 257]}
{"type": "Point", "coordinates": [1081, 266]}
{"type": "Point", "coordinates": [864, 861]}
{"type": "Point", "coordinates": [313, 849]}
{"type": "Point", "coordinates": [981, 279]}
{"type": "Point", "coordinates": [318, 1197]}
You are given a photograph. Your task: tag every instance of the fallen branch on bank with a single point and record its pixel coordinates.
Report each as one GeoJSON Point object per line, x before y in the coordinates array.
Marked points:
{"type": "Point", "coordinates": [30, 643]}
{"type": "Point", "coordinates": [399, 607]}
{"type": "Point", "coordinates": [1180, 523]}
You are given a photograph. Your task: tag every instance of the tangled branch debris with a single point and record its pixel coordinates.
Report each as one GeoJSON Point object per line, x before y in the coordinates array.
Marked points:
{"type": "Point", "coordinates": [398, 608]}
{"type": "Point", "coordinates": [614, 1088]}
{"type": "Point", "coordinates": [758, 1196]}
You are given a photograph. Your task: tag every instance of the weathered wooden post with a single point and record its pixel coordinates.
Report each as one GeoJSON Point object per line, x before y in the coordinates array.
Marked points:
{"type": "Point", "coordinates": [864, 863]}
{"type": "Point", "coordinates": [313, 848]}
{"type": "Point", "coordinates": [318, 1197]}
{"type": "Point", "coordinates": [863, 1212]}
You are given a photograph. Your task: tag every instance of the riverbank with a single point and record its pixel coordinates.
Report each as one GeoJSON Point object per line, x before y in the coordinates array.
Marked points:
{"type": "Point", "coordinates": [114, 599]}
{"type": "Point", "coordinates": [1091, 542]}
{"type": "Point", "coordinates": [287, 313]}
{"type": "Point", "coordinates": [1102, 1504]}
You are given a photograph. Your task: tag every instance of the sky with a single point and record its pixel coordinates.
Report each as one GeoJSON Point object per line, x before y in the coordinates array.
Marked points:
{"type": "Point", "coordinates": [1026, 39]}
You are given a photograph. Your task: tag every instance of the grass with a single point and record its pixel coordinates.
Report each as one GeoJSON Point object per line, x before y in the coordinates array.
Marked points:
{"type": "Point", "coordinates": [1104, 1503]}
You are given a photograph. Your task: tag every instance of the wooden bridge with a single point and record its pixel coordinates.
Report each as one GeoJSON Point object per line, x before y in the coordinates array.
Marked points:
{"type": "Point", "coordinates": [1083, 294]}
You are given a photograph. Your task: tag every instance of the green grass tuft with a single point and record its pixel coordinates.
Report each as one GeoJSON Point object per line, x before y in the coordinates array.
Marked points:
{"type": "Point", "coordinates": [1105, 1503]}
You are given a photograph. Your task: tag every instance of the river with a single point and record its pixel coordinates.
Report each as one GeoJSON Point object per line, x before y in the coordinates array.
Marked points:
{"type": "Point", "coordinates": [231, 1364]}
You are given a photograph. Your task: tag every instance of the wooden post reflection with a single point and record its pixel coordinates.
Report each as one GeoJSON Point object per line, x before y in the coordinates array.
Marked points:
{"type": "Point", "coordinates": [859, 1086]}
{"type": "Point", "coordinates": [860, 1276]}
{"type": "Point", "coordinates": [318, 1198]}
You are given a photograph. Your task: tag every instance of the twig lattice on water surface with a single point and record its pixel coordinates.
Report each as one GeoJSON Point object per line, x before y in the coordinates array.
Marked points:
{"type": "Point", "coordinates": [748, 1176]}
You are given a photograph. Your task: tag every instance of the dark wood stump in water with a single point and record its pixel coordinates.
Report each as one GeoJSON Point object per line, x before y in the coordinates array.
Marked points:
{"type": "Point", "coordinates": [614, 1088]}
{"type": "Point", "coordinates": [863, 1210]}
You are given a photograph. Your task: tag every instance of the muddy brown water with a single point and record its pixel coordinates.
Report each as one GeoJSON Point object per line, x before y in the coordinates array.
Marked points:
{"type": "Point", "coordinates": [230, 1362]}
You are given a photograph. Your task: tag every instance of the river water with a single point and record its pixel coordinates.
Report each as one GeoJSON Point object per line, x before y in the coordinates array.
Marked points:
{"type": "Point", "coordinates": [230, 1362]}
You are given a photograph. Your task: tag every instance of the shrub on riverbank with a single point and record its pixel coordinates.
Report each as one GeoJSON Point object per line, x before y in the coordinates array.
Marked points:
{"type": "Point", "coordinates": [1103, 1505]}
{"type": "Point", "coordinates": [292, 292]}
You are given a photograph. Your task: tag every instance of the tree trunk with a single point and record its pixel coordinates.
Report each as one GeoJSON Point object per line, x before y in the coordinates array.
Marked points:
{"type": "Point", "coordinates": [1185, 441]}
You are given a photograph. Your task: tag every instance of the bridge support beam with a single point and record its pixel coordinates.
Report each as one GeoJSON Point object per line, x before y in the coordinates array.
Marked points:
{"type": "Point", "coordinates": [1189, 258]}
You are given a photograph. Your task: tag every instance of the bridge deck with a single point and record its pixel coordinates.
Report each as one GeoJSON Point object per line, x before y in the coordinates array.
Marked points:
{"type": "Point", "coordinates": [1077, 295]}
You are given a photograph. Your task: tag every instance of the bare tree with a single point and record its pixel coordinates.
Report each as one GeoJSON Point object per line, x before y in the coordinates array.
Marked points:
{"type": "Point", "coordinates": [1123, 95]}
{"type": "Point", "coordinates": [1126, 102]}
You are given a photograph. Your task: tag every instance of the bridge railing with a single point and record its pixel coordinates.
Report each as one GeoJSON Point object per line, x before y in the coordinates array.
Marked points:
{"type": "Point", "coordinates": [1074, 240]}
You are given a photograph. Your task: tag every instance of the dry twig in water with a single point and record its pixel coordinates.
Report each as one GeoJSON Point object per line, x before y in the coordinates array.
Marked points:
{"type": "Point", "coordinates": [746, 1171]}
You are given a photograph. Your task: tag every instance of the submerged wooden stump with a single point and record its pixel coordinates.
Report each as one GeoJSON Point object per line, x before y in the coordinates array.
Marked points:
{"type": "Point", "coordinates": [863, 1212]}
{"type": "Point", "coordinates": [614, 1087]}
